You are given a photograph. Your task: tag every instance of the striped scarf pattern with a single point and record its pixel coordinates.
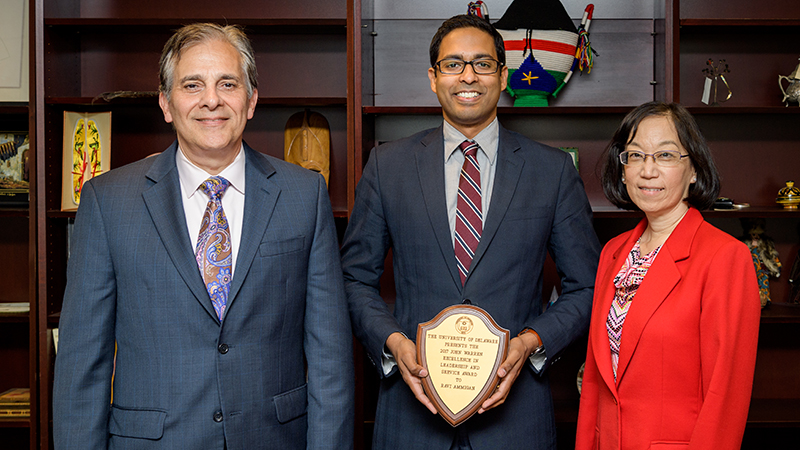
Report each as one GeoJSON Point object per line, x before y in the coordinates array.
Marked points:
{"type": "Point", "coordinates": [627, 282]}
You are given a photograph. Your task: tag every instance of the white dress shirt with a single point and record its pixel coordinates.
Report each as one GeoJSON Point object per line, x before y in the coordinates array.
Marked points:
{"type": "Point", "coordinates": [195, 200]}
{"type": "Point", "coordinates": [453, 160]}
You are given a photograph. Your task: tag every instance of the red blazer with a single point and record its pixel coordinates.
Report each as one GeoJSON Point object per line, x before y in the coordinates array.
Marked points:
{"type": "Point", "coordinates": [688, 347]}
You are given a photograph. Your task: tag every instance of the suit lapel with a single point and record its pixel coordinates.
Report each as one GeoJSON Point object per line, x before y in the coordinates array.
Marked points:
{"type": "Point", "coordinates": [661, 279]}
{"type": "Point", "coordinates": [605, 295]}
{"type": "Point", "coordinates": [163, 201]}
{"type": "Point", "coordinates": [506, 177]}
{"type": "Point", "coordinates": [260, 198]}
{"type": "Point", "coordinates": [430, 167]}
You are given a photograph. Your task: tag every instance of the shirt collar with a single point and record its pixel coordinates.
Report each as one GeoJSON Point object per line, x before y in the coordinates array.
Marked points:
{"type": "Point", "coordinates": [487, 139]}
{"type": "Point", "coordinates": [191, 176]}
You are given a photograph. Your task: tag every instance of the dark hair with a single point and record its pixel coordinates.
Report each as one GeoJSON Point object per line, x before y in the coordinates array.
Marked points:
{"type": "Point", "coordinates": [197, 33]}
{"type": "Point", "coordinates": [702, 192]}
{"type": "Point", "coordinates": [466, 21]}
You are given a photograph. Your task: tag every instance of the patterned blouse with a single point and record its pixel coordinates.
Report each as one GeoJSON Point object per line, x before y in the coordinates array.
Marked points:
{"type": "Point", "coordinates": [627, 281]}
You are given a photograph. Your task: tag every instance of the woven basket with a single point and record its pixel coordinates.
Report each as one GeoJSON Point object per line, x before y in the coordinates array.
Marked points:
{"type": "Point", "coordinates": [538, 61]}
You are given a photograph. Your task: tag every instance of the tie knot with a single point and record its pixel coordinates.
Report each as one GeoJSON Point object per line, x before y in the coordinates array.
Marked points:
{"type": "Point", "coordinates": [470, 148]}
{"type": "Point", "coordinates": [214, 187]}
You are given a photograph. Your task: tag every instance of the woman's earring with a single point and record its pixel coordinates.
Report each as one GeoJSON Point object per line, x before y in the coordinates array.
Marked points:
{"type": "Point", "coordinates": [694, 179]}
{"type": "Point", "coordinates": [623, 179]}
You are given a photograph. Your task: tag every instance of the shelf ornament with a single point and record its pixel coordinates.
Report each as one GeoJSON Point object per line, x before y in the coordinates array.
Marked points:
{"type": "Point", "coordinates": [792, 91]}
{"type": "Point", "coordinates": [584, 53]}
{"type": "Point", "coordinates": [307, 142]}
{"type": "Point", "coordinates": [714, 73]}
{"type": "Point", "coordinates": [113, 95]}
{"type": "Point", "coordinates": [765, 256]}
{"type": "Point", "coordinates": [543, 49]}
{"type": "Point", "coordinates": [479, 9]}
{"type": "Point", "coordinates": [14, 169]}
{"type": "Point", "coordinates": [789, 196]}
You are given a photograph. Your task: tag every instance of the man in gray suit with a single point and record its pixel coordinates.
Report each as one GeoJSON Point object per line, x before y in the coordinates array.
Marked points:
{"type": "Point", "coordinates": [255, 351]}
{"type": "Point", "coordinates": [411, 200]}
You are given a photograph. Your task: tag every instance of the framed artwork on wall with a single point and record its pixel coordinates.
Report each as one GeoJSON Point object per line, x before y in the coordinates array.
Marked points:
{"type": "Point", "coordinates": [14, 169]}
{"type": "Point", "coordinates": [86, 153]}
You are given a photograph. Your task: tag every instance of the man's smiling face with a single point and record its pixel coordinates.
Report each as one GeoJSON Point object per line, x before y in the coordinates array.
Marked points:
{"type": "Point", "coordinates": [208, 106]}
{"type": "Point", "coordinates": [469, 101]}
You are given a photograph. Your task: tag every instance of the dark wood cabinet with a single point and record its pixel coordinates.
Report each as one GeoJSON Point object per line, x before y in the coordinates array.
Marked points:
{"type": "Point", "coordinates": [17, 329]}
{"type": "Point", "coordinates": [362, 64]}
{"type": "Point", "coordinates": [92, 55]}
{"type": "Point", "coordinates": [755, 139]}
{"type": "Point", "coordinates": [647, 51]}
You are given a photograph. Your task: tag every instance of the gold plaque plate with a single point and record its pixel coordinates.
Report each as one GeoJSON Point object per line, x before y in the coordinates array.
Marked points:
{"type": "Point", "coordinates": [462, 349]}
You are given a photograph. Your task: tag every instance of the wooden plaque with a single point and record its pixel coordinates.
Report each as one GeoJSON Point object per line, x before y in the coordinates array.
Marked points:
{"type": "Point", "coordinates": [462, 349]}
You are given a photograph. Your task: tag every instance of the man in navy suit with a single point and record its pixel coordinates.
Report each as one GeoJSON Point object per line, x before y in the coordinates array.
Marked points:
{"type": "Point", "coordinates": [532, 202]}
{"type": "Point", "coordinates": [260, 356]}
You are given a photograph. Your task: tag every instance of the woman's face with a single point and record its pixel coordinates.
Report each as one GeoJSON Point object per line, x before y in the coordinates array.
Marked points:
{"type": "Point", "coordinates": [656, 189]}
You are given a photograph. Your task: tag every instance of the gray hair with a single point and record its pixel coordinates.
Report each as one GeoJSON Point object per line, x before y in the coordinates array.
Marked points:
{"type": "Point", "coordinates": [197, 33]}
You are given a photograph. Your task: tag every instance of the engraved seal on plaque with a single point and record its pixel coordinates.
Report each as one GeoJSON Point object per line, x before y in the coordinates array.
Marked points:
{"type": "Point", "coordinates": [461, 348]}
{"type": "Point", "coordinates": [464, 325]}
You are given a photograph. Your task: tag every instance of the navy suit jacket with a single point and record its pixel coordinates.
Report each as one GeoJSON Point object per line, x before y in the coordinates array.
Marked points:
{"type": "Point", "coordinates": [538, 206]}
{"type": "Point", "coordinates": [184, 379]}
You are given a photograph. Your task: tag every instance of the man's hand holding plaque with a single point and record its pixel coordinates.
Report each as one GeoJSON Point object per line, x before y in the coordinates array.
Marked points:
{"type": "Point", "coordinates": [464, 354]}
{"type": "Point", "coordinates": [519, 349]}
{"type": "Point", "coordinates": [405, 355]}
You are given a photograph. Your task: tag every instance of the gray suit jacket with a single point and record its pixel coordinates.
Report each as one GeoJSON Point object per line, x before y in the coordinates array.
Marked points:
{"type": "Point", "coordinates": [538, 206]}
{"type": "Point", "coordinates": [184, 379]}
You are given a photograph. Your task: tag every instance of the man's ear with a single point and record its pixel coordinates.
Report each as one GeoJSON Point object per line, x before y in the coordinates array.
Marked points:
{"type": "Point", "coordinates": [164, 104]}
{"type": "Point", "coordinates": [252, 101]}
{"type": "Point", "coordinates": [432, 77]}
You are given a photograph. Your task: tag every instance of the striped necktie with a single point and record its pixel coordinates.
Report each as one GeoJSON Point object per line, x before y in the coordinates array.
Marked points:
{"type": "Point", "coordinates": [469, 217]}
{"type": "Point", "coordinates": [213, 252]}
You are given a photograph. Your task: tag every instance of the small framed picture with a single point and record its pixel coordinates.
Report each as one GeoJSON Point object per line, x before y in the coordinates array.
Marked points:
{"type": "Point", "coordinates": [86, 153]}
{"type": "Point", "coordinates": [14, 169]}
{"type": "Point", "coordinates": [573, 151]}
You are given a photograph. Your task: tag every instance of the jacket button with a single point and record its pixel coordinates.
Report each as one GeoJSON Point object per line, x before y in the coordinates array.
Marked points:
{"type": "Point", "coordinates": [218, 416]}
{"type": "Point", "coordinates": [222, 348]}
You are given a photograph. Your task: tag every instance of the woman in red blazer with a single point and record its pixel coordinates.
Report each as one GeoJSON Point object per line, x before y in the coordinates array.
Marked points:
{"type": "Point", "coordinates": [674, 328]}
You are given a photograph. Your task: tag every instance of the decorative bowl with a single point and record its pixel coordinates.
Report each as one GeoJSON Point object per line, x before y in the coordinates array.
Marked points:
{"type": "Point", "coordinates": [789, 196]}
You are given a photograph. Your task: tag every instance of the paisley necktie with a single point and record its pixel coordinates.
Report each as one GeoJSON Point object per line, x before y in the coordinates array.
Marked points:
{"type": "Point", "coordinates": [213, 252]}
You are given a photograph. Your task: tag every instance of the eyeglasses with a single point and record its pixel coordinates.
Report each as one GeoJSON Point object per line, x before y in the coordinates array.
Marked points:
{"type": "Point", "coordinates": [664, 158]}
{"type": "Point", "coordinates": [482, 66]}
